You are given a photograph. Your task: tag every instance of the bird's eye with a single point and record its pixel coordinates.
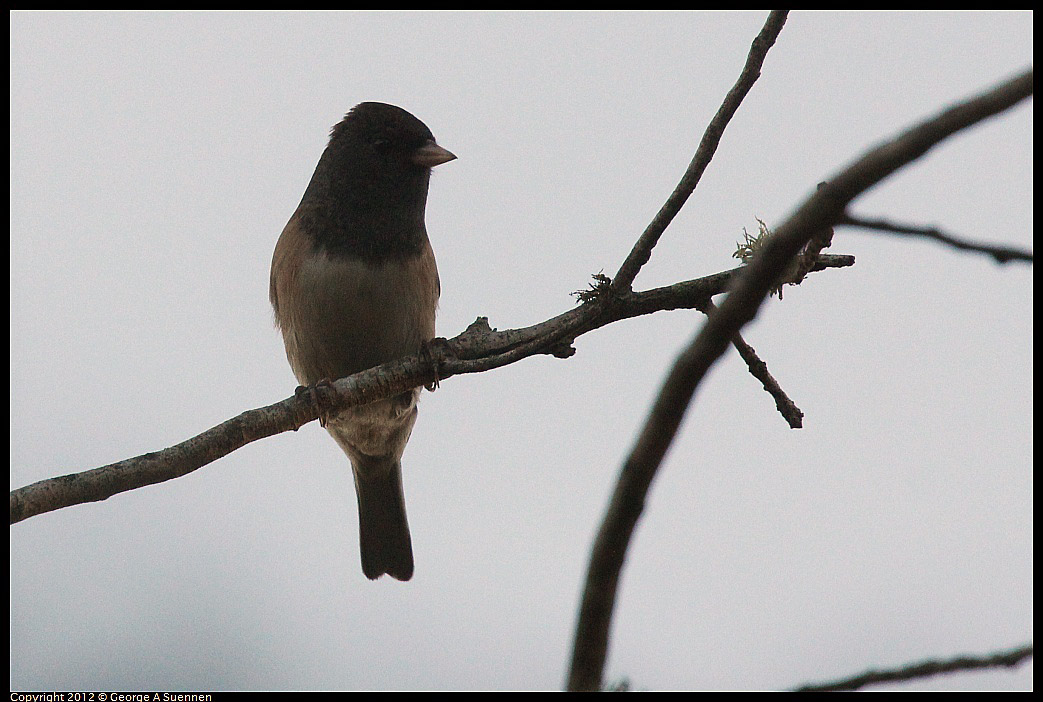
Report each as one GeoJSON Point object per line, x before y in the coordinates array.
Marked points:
{"type": "Point", "coordinates": [380, 143]}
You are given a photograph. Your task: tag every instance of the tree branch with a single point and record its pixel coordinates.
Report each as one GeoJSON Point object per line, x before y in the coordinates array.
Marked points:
{"type": "Point", "coordinates": [591, 642]}
{"type": "Point", "coordinates": [477, 349]}
{"type": "Point", "coordinates": [925, 669]}
{"type": "Point", "coordinates": [759, 370]}
{"type": "Point", "coordinates": [1002, 254]}
{"type": "Point", "coordinates": [642, 250]}
{"type": "Point", "coordinates": [822, 210]}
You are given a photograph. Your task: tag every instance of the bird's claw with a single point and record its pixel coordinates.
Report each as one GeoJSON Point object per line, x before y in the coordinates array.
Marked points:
{"type": "Point", "coordinates": [321, 402]}
{"type": "Point", "coordinates": [435, 352]}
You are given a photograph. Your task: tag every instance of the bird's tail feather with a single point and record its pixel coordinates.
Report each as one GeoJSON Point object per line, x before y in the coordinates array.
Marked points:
{"type": "Point", "coordinates": [384, 539]}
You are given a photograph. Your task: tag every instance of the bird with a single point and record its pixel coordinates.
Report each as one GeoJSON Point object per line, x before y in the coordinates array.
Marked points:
{"type": "Point", "coordinates": [353, 285]}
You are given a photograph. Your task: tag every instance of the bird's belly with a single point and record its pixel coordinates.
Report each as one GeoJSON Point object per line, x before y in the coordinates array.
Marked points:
{"type": "Point", "coordinates": [352, 315]}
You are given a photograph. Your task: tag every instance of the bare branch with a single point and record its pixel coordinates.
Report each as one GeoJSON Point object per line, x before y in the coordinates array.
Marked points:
{"type": "Point", "coordinates": [815, 216]}
{"type": "Point", "coordinates": [477, 349]}
{"type": "Point", "coordinates": [759, 370]}
{"type": "Point", "coordinates": [1002, 254]}
{"type": "Point", "coordinates": [642, 250]}
{"type": "Point", "coordinates": [925, 669]}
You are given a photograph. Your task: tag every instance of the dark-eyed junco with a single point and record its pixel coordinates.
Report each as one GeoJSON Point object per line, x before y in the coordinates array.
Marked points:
{"type": "Point", "coordinates": [354, 285]}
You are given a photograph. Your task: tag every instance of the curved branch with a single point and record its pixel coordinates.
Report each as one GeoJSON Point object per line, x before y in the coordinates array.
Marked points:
{"type": "Point", "coordinates": [825, 208]}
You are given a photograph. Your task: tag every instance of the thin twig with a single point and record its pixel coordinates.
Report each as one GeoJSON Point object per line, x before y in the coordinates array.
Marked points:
{"type": "Point", "coordinates": [924, 669]}
{"type": "Point", "coordinates": [1002, 254]}
{"type": "Point", "coordinates": [759, 370]}
{"type": "Point", "coordinates": [642, 249]}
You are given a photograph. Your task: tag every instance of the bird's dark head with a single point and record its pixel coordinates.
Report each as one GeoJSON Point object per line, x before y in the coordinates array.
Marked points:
{"type": "Point", "coordinates": [370, 186]}
{"type": "Point", "coordinates": [382, 141]}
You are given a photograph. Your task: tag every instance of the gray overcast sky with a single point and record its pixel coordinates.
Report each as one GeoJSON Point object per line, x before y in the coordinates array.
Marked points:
{"type": "Point", "coordinates": [156, 157]}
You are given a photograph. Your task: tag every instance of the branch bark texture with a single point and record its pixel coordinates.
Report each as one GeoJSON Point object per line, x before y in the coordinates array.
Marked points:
{"type": "Point", "coordinates": [477, 349]}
